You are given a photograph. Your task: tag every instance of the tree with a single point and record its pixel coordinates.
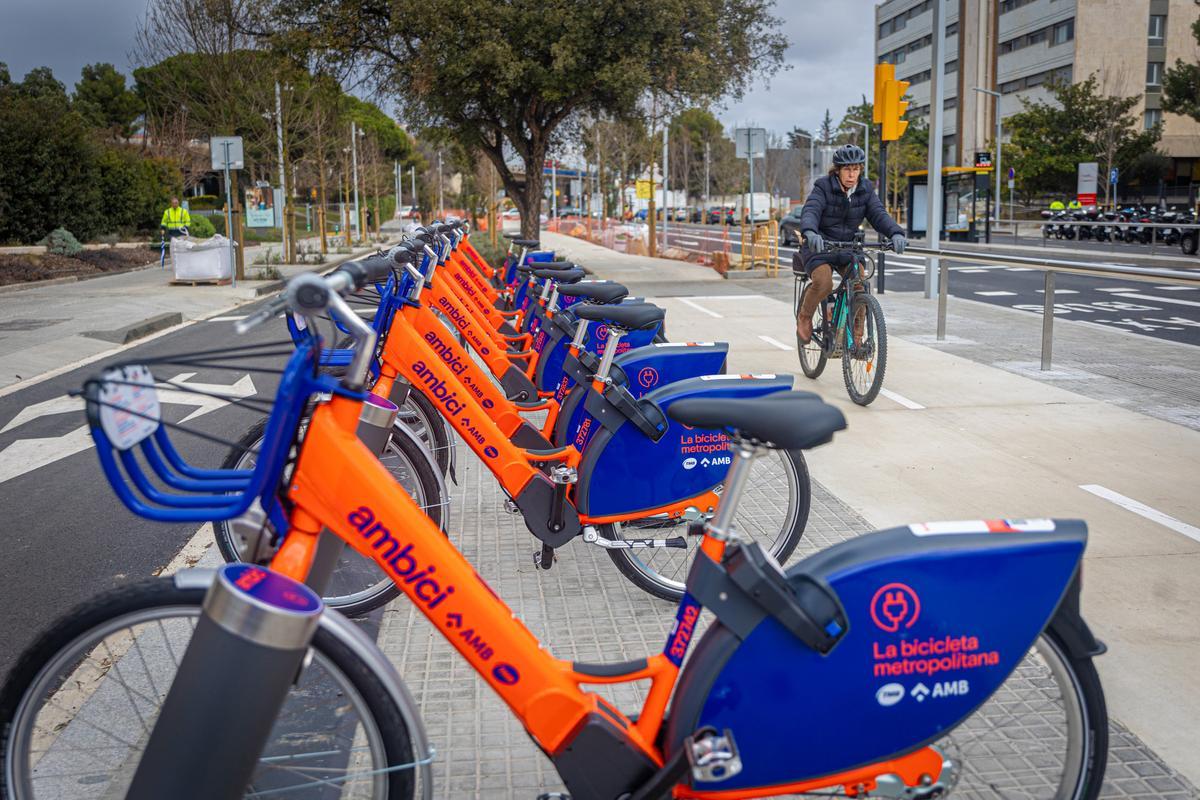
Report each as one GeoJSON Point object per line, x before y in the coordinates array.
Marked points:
{"type": "Point", "coordinates": [798, 138]}
{"type": "Point", "coordinates": [691, 130]}
{"type": "Point", "coordinates": [1083, 124]}
{"type": "Point", "coordinates": [103, 99]}
{"type": "Point", "coordinates": [507, 81]}
{"type": "Point", "coordinates": [1181, 85]}
{"type": "Point", "coordinates": [827, 130]}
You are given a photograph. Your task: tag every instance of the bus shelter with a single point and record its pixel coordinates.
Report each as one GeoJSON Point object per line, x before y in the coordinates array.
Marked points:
{"type": "Point", "coordinates": [966, 203]}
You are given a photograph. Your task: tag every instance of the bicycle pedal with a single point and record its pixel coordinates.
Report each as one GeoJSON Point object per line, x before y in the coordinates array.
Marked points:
{"type": "Point", "coordinates": [714, 757]}
{"type": "Point", "coordinates": [511, 507]}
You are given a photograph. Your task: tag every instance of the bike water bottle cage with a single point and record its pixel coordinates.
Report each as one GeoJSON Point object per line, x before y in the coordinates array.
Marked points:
{"type": "Point", "coordinates": [627, 317]}
{"type": "Point", "coordinates": [598, 292]}
{"type": "Point", "coordinates": [748, 586]}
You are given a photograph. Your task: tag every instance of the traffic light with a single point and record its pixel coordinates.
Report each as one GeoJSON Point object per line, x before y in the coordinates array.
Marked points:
{"type": "Point", "coordinates": [893, 110]}
{"type": "Point", "coordinates": [883, 74]}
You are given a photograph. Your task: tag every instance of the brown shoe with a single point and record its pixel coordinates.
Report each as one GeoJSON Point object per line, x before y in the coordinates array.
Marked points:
{"type": "Point", "coordinates": [804, 329]}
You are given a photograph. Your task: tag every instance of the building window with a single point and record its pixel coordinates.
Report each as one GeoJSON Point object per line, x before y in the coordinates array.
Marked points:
{"type": "Point", "coordinates": [1012, 5]}
{"type": "Point", "coordinates": [900, 21]}
{"type": "Point", "coordinates": [919, 77]}
{"type": "Point", "coordinates": [1063, 32]}
{"type": "Point", "coordinates": [952, 66]}
{"type": "Point", "coordinates": [1154, 73]}
{"type": "Point", "coordinates": [952, 29]}
{"type": "Point", "coordinates": [1158, 29]}
{"type": "Point", "coordinates": [950, 102]}
{"type": "Point", "coordinates": [1153, 117]}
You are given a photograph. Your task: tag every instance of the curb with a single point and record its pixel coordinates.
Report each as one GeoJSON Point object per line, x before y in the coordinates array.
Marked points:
{"type": "Point", "coordinates": [138, 330]}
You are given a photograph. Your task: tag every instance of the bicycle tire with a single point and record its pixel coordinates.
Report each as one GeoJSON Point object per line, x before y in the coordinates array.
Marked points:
{"type": "Point", "coordinates": [647, 572]}
{"type": "Point", "coordinates": [435, 433]}
{"type": "Point", "coordinates": [876, 330]}
{"type": "Point", "coordinates": [813, 355]}
{"type": "Point", "coordinates": [49, 667]}
{"type": "Point", "coordinates": [382, 590]}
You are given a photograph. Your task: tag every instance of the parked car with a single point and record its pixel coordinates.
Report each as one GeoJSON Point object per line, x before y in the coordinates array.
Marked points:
{"type": "Point", "coordinates": [789, 228]}
{"type": "Point", "coordinates": [681, 214]}
{"type": "Point", "coordinates": [407, 212]}
{"type": "Point", "coordinates": [569, 211]}
{"type": "Point", "coordinates": [696, 215]}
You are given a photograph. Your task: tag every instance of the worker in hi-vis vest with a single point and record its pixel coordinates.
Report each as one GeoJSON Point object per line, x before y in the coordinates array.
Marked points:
{"type": "Point", "coordinates": [175, 220]}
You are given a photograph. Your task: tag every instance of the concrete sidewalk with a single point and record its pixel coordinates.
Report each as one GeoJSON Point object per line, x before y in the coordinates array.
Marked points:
{"type": "Point", "coordinates": [957, 439]}
{"type": "Point", "coordinates": [51, 326]}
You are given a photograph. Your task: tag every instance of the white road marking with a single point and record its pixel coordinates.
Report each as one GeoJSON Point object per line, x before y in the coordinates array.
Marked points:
{"type": "Point", "coordinates": [726, 296]}
{"type": "Point", "coordinates": [1118, 289]}
{"type": "Point", "coordinates": [901, 399]}
{"type": "Point", "coordinates": [1161, 299]}
{"type": "Point", "coordinates": [968, 269]}
{"type": "Point", "coordinates": [775, 342]}
{"type": "Point", "coordinates": [1173, 288]}
{"type": "Point", "coordinates": [226, 319]}
{"type": "Point", "coordinates": [1143, 510]}
{"type": "Point", "coordinates": [996, 294]}
{"type": "Point", "coordinates": [699, 307]}
{"type": "Point", "coordinates": [1020, 269]}
{"type": "Point", "coordinates": [1059, 291]}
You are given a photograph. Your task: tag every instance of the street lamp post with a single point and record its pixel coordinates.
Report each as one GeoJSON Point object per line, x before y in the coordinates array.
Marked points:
{"type": "Point", "coordinates": [866, 145]}
{"type": "Point", "coordinates": [996, 95]}
{"type": "Point", "coordinates": [354, 161]}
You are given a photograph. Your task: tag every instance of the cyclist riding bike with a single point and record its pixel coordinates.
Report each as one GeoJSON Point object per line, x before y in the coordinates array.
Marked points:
{"type": "Point", "coordinates": [835, 209]}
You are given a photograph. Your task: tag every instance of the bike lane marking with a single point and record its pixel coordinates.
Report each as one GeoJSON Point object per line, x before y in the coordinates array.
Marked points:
{"type": "Point", "coordinates": [775, 342]}
{"type": "Point", "coordinates": [1160, 299]}
{"type": "Point", "coordinates": [1143, 510]}
{"type": "Point", "coordinates": [699, 307]}
{"type": "Point", "coordinates": [901, 399]}
{"type": "Point", "coordinates": [997, 294]}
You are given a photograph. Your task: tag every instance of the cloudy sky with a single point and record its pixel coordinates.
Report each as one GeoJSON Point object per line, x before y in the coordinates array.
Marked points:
{"type": "Point", "coordinates": [829, 53]}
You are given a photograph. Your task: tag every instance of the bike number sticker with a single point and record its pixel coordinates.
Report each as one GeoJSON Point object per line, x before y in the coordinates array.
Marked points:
{"type": "Point", "coordinates": [129, 409]}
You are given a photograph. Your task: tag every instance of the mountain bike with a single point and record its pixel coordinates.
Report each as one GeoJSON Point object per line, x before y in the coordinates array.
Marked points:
{"type": "Point", "coordinates": [880, 666]}
{"type": "Point", "coordinates": [848, 325]}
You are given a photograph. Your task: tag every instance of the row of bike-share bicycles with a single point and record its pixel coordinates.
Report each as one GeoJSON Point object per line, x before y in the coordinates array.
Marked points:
{"type": "Point", "coordinates": [916, 662]}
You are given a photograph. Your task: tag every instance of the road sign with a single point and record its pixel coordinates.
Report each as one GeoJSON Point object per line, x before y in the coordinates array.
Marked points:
{"type": "Point", "coordinates": [750, 142]}
{"type": "Point", "coordinates": [1113, 174]}
{"type": "Point", "coordinates": [983, 159]}
{"type": "Point", "coordinates": [643, 190]}
{"type": "Point", "coordinates": [226, 152]}
{"type": "Point", "coordinates": [1011, 173]}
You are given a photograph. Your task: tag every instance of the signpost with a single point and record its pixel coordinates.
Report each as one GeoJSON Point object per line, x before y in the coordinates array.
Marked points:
{"type": "Point", "coordinates": [983, 159]}
{"type": "Point", "coordinates": [1085, 189]}
{"type": "Point", "coordinates": [227, 154]}
{"type": "Point", "coordinates": [750, 143]}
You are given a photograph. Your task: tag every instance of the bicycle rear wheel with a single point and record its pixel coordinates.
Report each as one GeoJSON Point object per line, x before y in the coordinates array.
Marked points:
{"type": "Point", "coordinates": [812, 355]}
{"type": "Point", "coordinates": [661, 571]}
{"type": "Point", "coordinates": [864, 362]}
{"type": "Point", "coordinates": [83, 699]}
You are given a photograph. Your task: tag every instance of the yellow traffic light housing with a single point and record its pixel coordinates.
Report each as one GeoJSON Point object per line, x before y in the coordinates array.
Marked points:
{"type": "Point", "coordinates": [883, 74]}
{"type": "Point", "coordinates": [893, 122]}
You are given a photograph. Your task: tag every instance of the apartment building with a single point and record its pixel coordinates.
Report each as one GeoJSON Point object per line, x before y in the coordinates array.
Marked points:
{"type": "Point", "coordinates": [1020, 46]}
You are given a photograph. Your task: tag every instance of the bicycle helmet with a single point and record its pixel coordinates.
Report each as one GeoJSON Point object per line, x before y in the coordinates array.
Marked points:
{"type": "Point", "coordinates": [848, 154]}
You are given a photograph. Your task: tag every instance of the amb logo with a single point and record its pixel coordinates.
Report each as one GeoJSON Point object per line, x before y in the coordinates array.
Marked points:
{"type": "Point", "coordinates": [895, 607]}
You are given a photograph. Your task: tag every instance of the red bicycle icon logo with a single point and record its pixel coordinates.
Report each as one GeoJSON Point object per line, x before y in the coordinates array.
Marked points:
{"type": "Point", "coordinates": [648, 377]}
{"type": "Point", "coordinates": [895, 606]}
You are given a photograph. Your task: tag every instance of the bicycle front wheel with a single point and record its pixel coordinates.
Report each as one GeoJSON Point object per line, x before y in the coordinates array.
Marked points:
{"type": "Point", "coordinates": [864, 360]}
{"type": "Point", "coordinates": [357, 585]}
{"type": "Point", "coordinates": [773, 512]}
{"type": "Point", "coordinates": [83, 699]}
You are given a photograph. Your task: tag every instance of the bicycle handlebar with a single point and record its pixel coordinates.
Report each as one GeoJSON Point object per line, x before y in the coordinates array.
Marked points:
{"type": "Point", "coordinates": [832, 245]}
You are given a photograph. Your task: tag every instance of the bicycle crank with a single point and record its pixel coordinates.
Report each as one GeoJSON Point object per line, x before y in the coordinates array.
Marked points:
{"type": "Point", "coordinates": [590, 536]}
{"type": "Point", "coordinates": [895, 787]}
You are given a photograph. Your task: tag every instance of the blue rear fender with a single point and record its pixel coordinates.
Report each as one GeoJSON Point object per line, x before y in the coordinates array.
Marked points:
{"type": "Point", "coordinates": [658, 364]}
{"type": "Point", "coordinates": [684, 462]}
{"type": "Point", "coordinates": [939, 616]}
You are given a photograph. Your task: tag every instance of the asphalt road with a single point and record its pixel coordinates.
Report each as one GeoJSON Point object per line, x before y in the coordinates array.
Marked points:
{"type": "Point", "coordinates": [65, 535]}
{"type": "Point", "coordinates": [1160, 311]}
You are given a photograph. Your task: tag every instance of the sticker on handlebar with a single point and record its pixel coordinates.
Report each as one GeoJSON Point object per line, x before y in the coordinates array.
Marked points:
{"type": "Point", "coordinates": [129, 408]}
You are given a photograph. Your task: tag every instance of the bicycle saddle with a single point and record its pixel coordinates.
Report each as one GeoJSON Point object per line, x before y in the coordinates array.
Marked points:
{"type": "Point", "coordinates": [596, 291]}
{"type": "Point", "coordinates": [560, 275]}
{"type": "Point", "coordinates": [637, 317]}
{"type": "Point", "coordinates": [546, 265]}
{"type": "Point", "coordinates": [790, 420]}
{"type": "Point", "coordinates": [528, 244]}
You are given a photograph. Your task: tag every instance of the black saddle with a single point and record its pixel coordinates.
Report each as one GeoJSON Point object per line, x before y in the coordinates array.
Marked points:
{"type": "Point", "coordinates": [790, 420]}
{"type": "Point", "coordinates": [528, 244]}
{"type": "Point", "coordinates": [547, 265]}
{"type": "Point", "coordinates": [632, 317]}
{"type": "Point", "coordinates": [561, 275]}
{"type": "Point", "coordinates": [596, 291]}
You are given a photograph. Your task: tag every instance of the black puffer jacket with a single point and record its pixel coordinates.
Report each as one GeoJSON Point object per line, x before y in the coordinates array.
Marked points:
{"type": "Point", "coordinates": [829, 212]}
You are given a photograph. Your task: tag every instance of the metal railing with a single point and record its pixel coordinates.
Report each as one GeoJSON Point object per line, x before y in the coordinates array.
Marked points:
{"type": "Point", "coordinates": [1050, 266]}
{"type": "Point", "coordinates": [1154, 242]}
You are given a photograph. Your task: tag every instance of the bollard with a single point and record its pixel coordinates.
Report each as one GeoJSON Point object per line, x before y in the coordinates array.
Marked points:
{"type": "Point", "coordinates": [879, 281]}
{"type": "Point", "coordinates": [943, 291]}
{"type": "Point", "coordinates": [251, 638]}
{"type": "Point", "coordinates": [374, 430]}
{"type": "Point", "coordinates": [1048, 321]}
